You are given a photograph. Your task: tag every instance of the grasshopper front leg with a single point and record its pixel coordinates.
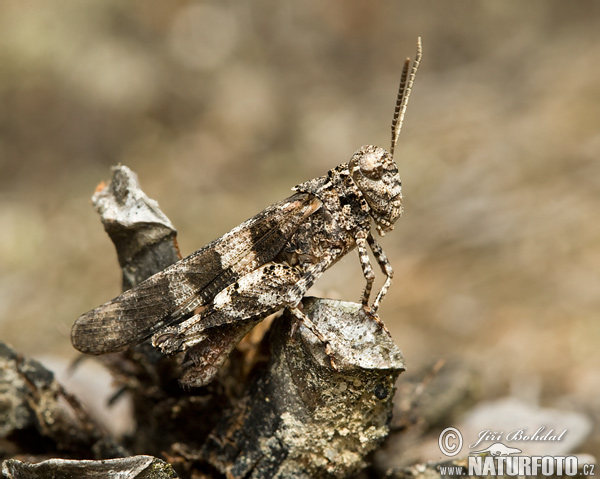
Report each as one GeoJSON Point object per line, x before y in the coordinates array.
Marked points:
{"type": "Point", "coordinates": [362, 239]}
{"type": "Point", "coordinates": [386, 268]}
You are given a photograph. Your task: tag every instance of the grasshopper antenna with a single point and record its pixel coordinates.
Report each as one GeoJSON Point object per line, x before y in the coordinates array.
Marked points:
{"type": "Point", "coordinates": [406, 83]}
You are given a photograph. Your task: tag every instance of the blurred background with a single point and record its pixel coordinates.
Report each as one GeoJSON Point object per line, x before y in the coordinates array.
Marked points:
{"type": "Point", "coordinates": [221, 107]}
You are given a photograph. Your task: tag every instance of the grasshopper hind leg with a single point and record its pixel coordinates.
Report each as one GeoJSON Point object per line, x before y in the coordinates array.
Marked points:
{"type": "Point", "coordinates": [300, 316]}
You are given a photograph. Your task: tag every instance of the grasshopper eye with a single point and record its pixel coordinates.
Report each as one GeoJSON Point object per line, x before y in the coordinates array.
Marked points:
{"type": "Point", "coordinates": [371, 166]}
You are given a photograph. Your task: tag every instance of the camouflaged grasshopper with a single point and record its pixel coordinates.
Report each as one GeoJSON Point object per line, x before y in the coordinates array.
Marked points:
{"type": "Point", "coordinates": [205, 303]}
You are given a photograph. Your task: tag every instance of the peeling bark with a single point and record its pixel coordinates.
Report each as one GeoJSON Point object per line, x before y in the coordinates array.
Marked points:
{"type": "Point", "coordinates": [302, 419]}
{"type": "Point", "coordinates": [40, 417]}
{"type": "Point", "coordinates": [134, 467]}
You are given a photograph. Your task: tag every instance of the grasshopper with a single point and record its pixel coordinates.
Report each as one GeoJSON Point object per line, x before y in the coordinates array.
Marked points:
{"type": "Point", "coordinates": [205, 303]}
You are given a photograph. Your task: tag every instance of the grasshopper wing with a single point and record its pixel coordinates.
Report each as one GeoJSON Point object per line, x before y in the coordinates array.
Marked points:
{"type": "Point", "coordinates": [174, 293]}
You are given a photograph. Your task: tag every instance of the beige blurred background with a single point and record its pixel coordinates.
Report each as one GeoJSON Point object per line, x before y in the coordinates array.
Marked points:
{"type": "Point", "coordinates": [221, 107]}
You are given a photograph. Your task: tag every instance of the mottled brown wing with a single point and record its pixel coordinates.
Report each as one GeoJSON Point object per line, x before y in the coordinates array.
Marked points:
{"type": "Point", "coordinates": [193, 282]}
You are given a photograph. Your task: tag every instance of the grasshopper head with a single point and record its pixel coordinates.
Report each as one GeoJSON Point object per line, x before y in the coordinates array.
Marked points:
{"type": "Point", "coordinates": [373, 169]}
{"type": "Point", "coordinates": [375, 173]}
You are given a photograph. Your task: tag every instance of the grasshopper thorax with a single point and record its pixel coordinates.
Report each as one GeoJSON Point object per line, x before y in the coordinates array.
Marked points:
{"type": "Point", "coordinates": [375, 173]}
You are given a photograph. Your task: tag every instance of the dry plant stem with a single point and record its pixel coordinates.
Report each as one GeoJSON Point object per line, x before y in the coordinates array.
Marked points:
{"type": "Point", "coordinates": [143, 236]}
{"type": "Point", "coordinates": [134, 467]}
{"type": "Point", "coordinates": [302, 419]}
{"type": "Point", "coordinates": [39, 417]}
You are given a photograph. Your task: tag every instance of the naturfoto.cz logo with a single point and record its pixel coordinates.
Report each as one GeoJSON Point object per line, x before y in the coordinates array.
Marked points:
{"type": "Point", "coordinates": [499, 459]}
